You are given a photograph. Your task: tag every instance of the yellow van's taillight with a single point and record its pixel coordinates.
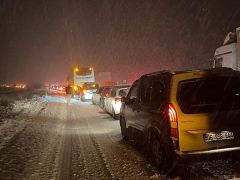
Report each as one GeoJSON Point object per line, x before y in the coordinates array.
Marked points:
{"type": "Point", "coordinates": [172, 117]}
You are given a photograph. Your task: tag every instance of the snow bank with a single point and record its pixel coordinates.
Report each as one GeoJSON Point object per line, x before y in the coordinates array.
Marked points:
{"type": "Point", "coordinates": [14, 116]}
{"type": "Point", "coordinates": [31, 107]}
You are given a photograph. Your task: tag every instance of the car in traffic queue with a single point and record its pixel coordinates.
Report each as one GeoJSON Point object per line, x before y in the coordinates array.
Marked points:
{"type": "Point", "coordinates": [112, 102]}
{"type": "Point", "coordinates": [87, 91]}
{"type": "Point", "coordinates": [185, 113]}
{"type": "Point", "coordinates": [98, 96]}
{"type": "Point", "coordinates": [105, 93]}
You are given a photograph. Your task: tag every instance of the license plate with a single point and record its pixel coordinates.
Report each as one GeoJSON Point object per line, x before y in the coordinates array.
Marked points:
{"type": "Point", "coordinates": [212, 136]}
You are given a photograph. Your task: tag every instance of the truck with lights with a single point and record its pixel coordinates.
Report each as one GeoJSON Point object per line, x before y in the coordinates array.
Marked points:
{"type": "Point", "coordinates": [228, 55]}
{"type": "Point", "coordinates": [80, 76]}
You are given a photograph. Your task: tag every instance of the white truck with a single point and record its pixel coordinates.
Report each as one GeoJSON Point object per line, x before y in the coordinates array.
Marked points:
{"type": "Point", "coordinates": [228, 55]}
{"type": "Point", "coordinates": [78, 77]}
{"type": "Point", "coordinates": [83, 75]}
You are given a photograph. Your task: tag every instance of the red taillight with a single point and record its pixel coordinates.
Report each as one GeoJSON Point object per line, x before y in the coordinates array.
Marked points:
{"type": "Point", "coordinates": [117, 100]}
{"type": "Point", "coordinates": [123, 99]}
{"type": "Point", "coordinates": [172, 116]}
{"type": "Point", "coordinates": [172, 113]}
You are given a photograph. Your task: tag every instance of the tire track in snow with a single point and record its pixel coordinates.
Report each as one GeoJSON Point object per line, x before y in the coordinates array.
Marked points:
{"type": "Point", "coordinates": [117, 154]}
{"type": "Point", "coordinates": [79, 169]}
{"type": "Point", "coordinates": [119, 160]}
{"type": "Point", "coordinates": [101, 157]}
{"type": "Point", "coordinates": [66, 159]}
{"type": "Point", "coordinates": [82, 157]}
{"type": "Point", "coordinates": [93, 164]}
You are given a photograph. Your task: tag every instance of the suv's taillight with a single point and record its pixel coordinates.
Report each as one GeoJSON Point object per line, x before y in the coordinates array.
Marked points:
{"type": "Point", "coordinates": [172, 117]}
{"type": "Point", "coordinates": [117, 99]}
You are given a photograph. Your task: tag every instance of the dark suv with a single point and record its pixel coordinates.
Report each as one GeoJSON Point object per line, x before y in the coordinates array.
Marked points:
{"type": "Point", "coordinates": [184, 113]}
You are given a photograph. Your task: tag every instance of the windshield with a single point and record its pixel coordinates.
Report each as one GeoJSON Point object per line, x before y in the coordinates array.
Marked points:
{"type": "Point", "coordinates": [84, 71]}
{"type": "Point", "coordinates": [90, 86]}
{"type": "Point", "coordinates": [209, 95]}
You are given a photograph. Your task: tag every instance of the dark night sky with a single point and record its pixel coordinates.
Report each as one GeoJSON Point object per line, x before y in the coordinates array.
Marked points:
{"type": "Point", "coordinates": [41, 39]}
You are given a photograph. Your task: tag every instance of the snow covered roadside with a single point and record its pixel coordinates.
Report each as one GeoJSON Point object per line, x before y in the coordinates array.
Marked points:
{"type": "Point", "coordinates": [14, 116]}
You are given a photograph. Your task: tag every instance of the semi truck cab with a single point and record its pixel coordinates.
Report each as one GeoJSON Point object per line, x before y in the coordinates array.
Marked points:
{"type": "Point", "coordinates": [228, 55]}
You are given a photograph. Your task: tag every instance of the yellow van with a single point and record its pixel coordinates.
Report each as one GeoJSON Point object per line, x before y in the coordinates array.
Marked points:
{"type": "Point", "coordinates": [184, 113]}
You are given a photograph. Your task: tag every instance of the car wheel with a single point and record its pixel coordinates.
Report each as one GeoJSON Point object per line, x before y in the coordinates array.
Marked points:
{"type": "Point", "coordinates": [124, 129]}
{"type": "Point", "coordinates": [163, 155]}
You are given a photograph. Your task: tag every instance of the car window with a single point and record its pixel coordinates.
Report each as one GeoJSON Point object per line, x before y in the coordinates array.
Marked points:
{"type": "Point", "coordinates": [133, 91]}
{"type": "Point", "coordinates": [145, 90]}
{"type": "Point", "coordinates": [123, 92]}
{"type": "Point", "coordinates": [207, 95]}
{"type": "Point", "coordinates": [113, 92]}
{"type": "Point", "coordinates": [106, 91]}
{"type": "Point", "coordinates": [158, 94]}
{"type": "Point", "coordinates": [90, 86]}
{"type": "Point", "coordinates": [99, 90]}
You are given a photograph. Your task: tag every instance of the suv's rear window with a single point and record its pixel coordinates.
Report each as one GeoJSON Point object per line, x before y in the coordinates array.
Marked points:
{"type": "Point", "coordinates": [90, 86]}
{"type": "Point", "coordinates": [209, 95]}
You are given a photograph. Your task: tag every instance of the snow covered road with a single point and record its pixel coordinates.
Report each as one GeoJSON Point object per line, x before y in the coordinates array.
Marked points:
{"type": "Point", "coordinates": [80, 141]}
